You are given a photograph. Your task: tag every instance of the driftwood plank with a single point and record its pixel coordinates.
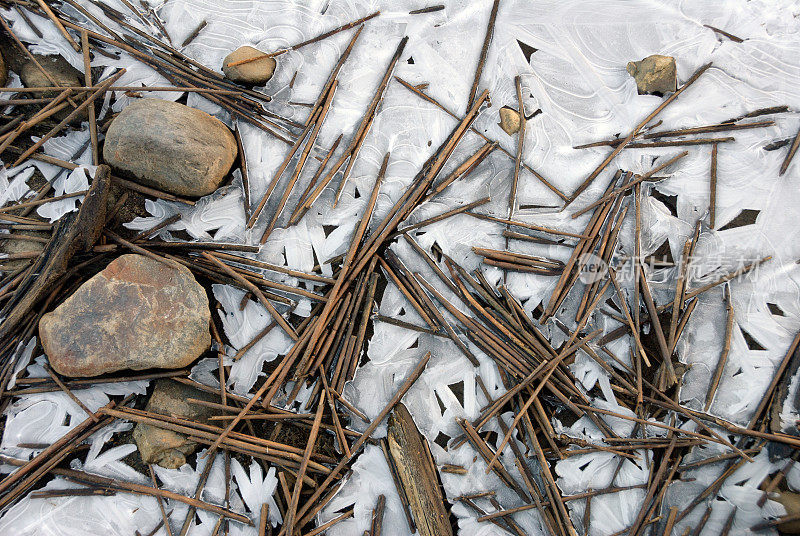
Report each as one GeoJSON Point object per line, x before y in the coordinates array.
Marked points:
{"type": "Point", "coordinates": [417, 475]}
{"type": "Point", "coordinates": [74, 233]}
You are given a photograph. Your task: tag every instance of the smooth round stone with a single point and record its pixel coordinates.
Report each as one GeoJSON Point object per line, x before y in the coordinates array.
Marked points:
{"type": "Point", "coordinates": [255, 73]}
{"type": "Point", "coordinates": [171, 147]}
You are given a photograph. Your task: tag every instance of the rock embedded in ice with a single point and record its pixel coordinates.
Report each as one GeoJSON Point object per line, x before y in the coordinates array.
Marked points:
{"type": "Point", "coordinates": [22, 245]}
{"type": "Point", "coordinates": [165, 447]}
{"type": "Point", "coordinates": [255, 73]}
{"type": "Point", "coordinates": [171, 147]}
{"type": "Point", "coordinates": [509, 120]}
{"type": "Point", "coordinates": [654, 74]}
{"type": "Point", "coordinates": [790, 501]}
{"type": "Point", "coordinates": [138, 313]}
{"type": "Point", "coordinates": [57, 67]}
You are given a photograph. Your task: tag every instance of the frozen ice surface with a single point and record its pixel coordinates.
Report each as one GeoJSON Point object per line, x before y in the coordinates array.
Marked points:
{"type": "Point", "coordinates": [577, 78]}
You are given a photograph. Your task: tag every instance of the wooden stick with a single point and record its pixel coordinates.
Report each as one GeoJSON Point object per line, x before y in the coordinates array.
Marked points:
{"type": "Point", "coordinates": [318, 122]}
{"type": "Point", "coordinates": [160, 499]}
{"type": "Point", "coordinates": [484, 52]}
{"type": "Point", "coordinates": [412, 377]}
{"type": "Point", "coordinates": [243, 168]}
{"type": "Point", "coordinates": [194, 33]}
{"type": "Point", "coordinates": [58, 25]}
{"type": "Point", "coordinates": [593, 175]}
{"type": "Point", "coordinates": [444, 215]}
{"type": "Point", "coordinates": [87, 78]}
{"type": "Point", "coordinates": [289, 521]}
{"type": "Point", "coordinates": [723, 358]}
{"type": "Point", "coordinates": [255, 291]}
{"type": "Point", "coordinates": [307, 42]}
{"type": "Point", "coordinates": [352, 151]}
{"type": "Point", "coordinates": [525, 225]}
{"type": "Point", "coordinates": [520, 145]}
{"type": "Point", "coordinates": [425, 96]}
{"type": "Point", "coordinates": [300, 210]}
{"type": "Point", "coordinates": [42, 201]}
{"type": "Point", "coordinates": [776, 379]}
{"type": "Point", "coordinates": [614, 193]}
{"type": "Point", "coordinates": [712, 203]}
{"type": "Point", "coordinates": [28, 21]}
{"type": "Point", "coordinates": [465, 168]}
{"type": "Point", "coordinates": [70, 394]}
{"type": "Point", "coordinates": [790, 154]}
{"type": "Point", "coordinates": [101, 89]}
{"type": "Point", "coordinates": [139, 489]}
{"type": "Point", "coordinates": [726, 34]}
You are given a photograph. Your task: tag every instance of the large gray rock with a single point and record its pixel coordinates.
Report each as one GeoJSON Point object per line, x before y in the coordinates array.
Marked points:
{"type": "Point", "coordinates": [256, 73]}
{"type": "Point", "coordinates": [165, 447]}
{"type": "Point", "coordinates": [57, 67]}
{"type": "Point", "coordinates": [171, 147]}
{"type": "Point", "coordinates": [138, 313]}
{"type": "Point", "coordinates": [654, 74]}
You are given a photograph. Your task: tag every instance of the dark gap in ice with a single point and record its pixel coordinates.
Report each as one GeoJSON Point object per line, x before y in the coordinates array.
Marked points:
{"type": "Point", "coordinates": [661, 256]}
{"type": "Point", "coordinates": [775, 310]}
{"type": "Point", "coordinates": [527, 50]}
{"type": "Point", "coordinates": [441, 440]}
{"type": "Point", "coordinates": [442, 407]}
{"type": "Point", "coordinates": [534, 114]}
{"type": "Point", "coordinates": [437, 251]}
{"type": "Point", "coordinates": [458, 390]}
{"type": "Point", "coordinates": [745, 217]}
{"type": "Point", "coordinates": [752, 344]}
{"type": "Point", "coordinates": [670, 201]}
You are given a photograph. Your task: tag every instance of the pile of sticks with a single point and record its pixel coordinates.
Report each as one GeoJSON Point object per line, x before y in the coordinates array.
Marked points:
{"type": "Point", "coordinates": [485, 322]}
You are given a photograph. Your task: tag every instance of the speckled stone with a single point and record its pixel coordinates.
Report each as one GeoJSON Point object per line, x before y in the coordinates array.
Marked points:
{"type": "Point", "coordinates": [138, 313]}
{"type": "Point", "coordinates": [654, 74]}
{"type": "Point", "coordinates": [509, 120]}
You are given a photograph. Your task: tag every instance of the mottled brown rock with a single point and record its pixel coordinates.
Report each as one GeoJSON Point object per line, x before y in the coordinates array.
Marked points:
{"type": "Point", "coordinates": [165, 447]}
{"type": "Point", "coordinates": [509, 120]}
{"type": "Point", "coordinates": [57, 67]}
{"type": "Point", "coordinates": [790, 501]}
{"type": "Point", "coordinates": [138, 313]}
{"type": "Point", "coordinates": [171, 147]}
{"type": "Point", "coordinates": [255, 73]}
{"type": "Point", "coordinates": [654, 74]}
